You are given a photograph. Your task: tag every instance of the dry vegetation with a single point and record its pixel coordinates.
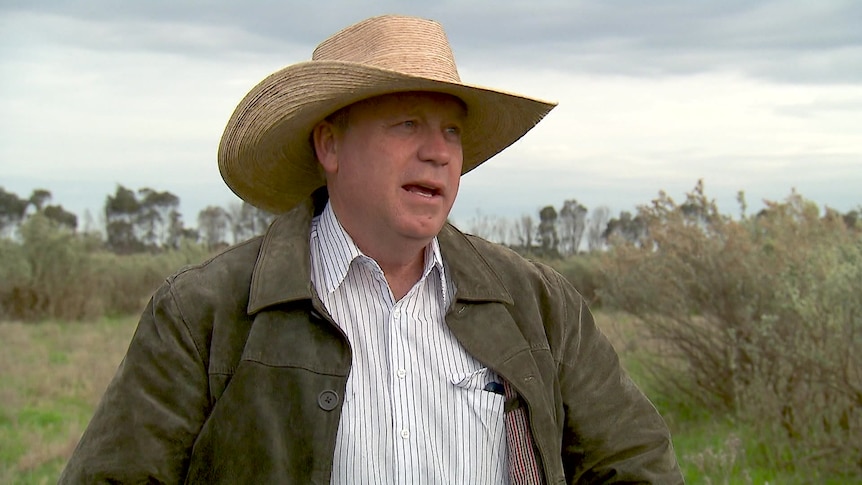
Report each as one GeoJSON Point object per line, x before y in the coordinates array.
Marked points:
{"type": "Point", "coordinates": [53, 273]}
{"type": "Point", "coordinates": [757, 321]}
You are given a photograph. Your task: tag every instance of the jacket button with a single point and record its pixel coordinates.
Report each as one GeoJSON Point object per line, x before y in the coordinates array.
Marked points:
{"type": "Point", "coordinates": [327, 400]}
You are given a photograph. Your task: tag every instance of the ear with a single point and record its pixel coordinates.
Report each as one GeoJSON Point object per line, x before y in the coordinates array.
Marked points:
{"type": "Point", "coordinates": [326, 146]}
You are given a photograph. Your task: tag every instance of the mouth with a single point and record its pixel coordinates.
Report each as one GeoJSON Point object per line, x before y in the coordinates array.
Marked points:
{"type": "Point", "coordinates": [423, 190]}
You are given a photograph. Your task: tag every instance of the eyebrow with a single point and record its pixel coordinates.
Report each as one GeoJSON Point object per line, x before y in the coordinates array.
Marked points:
{"type": "Point", "coordinates": [439, 99]}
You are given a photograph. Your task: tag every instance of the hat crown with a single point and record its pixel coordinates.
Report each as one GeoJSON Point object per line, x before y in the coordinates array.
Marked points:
{"type": "Point", "coordinates": [408, 45]}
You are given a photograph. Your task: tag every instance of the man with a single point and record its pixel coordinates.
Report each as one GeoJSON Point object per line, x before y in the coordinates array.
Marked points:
{"type": "Point", "coordinates": [362, 339]}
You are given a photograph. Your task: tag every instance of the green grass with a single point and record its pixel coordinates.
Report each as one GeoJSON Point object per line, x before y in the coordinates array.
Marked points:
{"type": "Point", "coordinates": [51, 377]}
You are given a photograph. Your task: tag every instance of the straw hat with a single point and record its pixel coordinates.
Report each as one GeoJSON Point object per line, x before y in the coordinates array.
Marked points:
{"type": "Point", "coordinates": [265, 155]}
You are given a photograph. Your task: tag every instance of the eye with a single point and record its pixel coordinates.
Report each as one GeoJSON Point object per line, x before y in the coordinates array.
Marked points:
{"type": "Point", "coordinates": [453, 132]}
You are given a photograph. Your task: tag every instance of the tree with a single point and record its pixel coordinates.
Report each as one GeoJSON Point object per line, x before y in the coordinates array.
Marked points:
{"type": "Point", "coordinates": [121, 215]}
{"type": "Point", "coordinates": [247, 221]}
{"type": "Point", "coordinates": [261, 218]}
{"type": "Point", "coordinates": [90, 224]}
{"type": "Point", "coordinates": [61, 216]}
{"type": "Point", "coordinates": [39, 197]}
{"type": "Point", "coordinates": [12, 210]}
{"type": "Point", "coordinates": [596, 225]}
{"type": "Point", "coordinates": [572, 224]}
{"type": "Point", "coordinates": [177, 232]}
{"type": "Point", "coordinates": [492, 228]}
{"type": "Point", "coordinates": [628, 228]}
{"type": "Point", "coordinates": [154, 216]}
{"type": "Point", "coordinates": [143, 221]}
{"type": "Point", "coordinates": [548, 231]}
{"type": "Point", "coordinates": [852, 218]}
{"type": "Point", "coordinates": [523, 231]}
{"type": "Point", "coordinates": [213, 224]}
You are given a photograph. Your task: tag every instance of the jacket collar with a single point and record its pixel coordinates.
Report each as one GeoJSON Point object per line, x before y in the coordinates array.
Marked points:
{"type": "Point", "coordinates": [282, 272]}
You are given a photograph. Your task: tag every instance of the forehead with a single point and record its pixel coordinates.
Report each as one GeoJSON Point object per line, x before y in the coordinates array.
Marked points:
{"type": "Point", "coordinates": [409, 101]}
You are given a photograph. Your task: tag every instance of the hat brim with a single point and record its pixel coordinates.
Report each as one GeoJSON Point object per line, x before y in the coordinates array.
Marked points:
{"type": "Point", "coordinates": [265, 155]}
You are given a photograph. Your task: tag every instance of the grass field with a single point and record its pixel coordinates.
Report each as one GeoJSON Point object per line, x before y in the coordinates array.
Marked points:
{"type": "Point", "coordinates": [53, 373]}
{"type": "Point", "coordinates": [51, 377]}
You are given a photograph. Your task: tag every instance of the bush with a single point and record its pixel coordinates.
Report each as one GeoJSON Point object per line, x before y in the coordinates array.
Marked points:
{"type": "Point", "coordinates": [584, 272]}
{"type": "Point", "coordinates": [127, 281]}
{"type": "Point", "coordinates": [47, 276]}
{"type": "Point", "coordinates": [760, 318]}
{"type": "Point", "coordinates": [55, 274]}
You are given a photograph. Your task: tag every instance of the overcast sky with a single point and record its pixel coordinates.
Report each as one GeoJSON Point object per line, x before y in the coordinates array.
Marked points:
{"type": "Point", "coordinates": [763, 97]}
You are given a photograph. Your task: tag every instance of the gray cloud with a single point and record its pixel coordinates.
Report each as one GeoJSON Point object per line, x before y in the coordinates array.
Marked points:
{"type": "Point", "coordinates": [151, 83]}
{"type": "Point", "coordinates": [784, 41]}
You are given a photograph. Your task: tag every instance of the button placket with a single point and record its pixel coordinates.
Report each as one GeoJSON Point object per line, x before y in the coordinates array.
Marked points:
{"type": "Point", "coordinates": [399, 356]}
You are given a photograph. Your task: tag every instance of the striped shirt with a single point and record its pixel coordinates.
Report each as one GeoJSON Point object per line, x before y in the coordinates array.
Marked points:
{"type": "Point", "coordinates": [418, 408]}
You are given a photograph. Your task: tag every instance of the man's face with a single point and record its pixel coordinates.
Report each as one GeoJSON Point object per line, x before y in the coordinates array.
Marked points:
{"type": "Point", "coordinates": [393, 170]}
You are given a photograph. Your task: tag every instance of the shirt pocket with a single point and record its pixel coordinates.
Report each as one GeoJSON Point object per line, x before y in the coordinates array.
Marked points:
{"type": "Point", "coordinates": [481, 393]}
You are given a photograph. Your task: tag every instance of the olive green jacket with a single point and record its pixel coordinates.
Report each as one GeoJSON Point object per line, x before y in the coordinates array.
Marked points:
{"type": "Point", "coordinates": [235, 373]}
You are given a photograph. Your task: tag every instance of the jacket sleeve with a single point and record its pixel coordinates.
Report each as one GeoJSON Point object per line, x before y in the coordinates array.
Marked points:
{"type": "Point", "coordinates": [612, 433]}
{"type": "Point", "coordinates": [144, 427]}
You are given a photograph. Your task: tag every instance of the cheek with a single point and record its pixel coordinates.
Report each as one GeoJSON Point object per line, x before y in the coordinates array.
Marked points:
{"type": "Point", "coordinates": [455, 179]}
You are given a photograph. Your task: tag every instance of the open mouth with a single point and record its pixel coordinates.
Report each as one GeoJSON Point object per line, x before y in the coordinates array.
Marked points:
{"type": "Point", "coordinates": [422, 190]}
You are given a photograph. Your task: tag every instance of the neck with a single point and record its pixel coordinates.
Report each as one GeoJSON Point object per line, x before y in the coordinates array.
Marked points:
{"type": "Point", "coordinates": [402, 265]}
{"type": "Point", "coordinates": [402, 275]}
{"type": "Point", "coordinates": [402, 259]}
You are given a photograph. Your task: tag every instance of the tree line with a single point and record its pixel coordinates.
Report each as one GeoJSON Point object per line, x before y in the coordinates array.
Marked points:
{"type": "Point", "coordinates": [148, 220]}
{"type": "Point", "coordinates": [137, 221]}
{"type": "Point", "coordinates": [559, 233]}
{"type": "Point", "coordinates": [573, 228]}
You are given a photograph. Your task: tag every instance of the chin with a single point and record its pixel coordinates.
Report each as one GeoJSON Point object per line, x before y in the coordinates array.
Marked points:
{"type": "Point", "coordinates": [425, 229]}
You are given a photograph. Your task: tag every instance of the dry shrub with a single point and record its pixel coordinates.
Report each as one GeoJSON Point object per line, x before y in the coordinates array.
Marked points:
{"type": "Point", "coordinates": [584, 272]}
{"type": "Point", "coordinates": [759, 317]}
{"type": "Point", "coordinates": [53, 273]}
{"type": "Point", "coordinates": [127, 281]}
{"type": "Point", "coordinates": [48, 274]}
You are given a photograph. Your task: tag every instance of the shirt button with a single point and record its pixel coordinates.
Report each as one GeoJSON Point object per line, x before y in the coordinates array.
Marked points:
{"type": "Point", "coordinates": [401, 373]}
{"type": "Point", "coordinates": [396, 314]}
{"type": "Point", "coordinates": [405, 433]}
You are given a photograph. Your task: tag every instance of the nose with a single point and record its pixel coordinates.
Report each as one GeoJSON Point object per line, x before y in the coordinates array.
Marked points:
{"type": "Point", "coordinates": [439, 146]}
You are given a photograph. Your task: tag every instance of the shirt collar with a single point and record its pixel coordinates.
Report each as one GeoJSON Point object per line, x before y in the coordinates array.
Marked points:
{"type": "Point", "coordinates": [336, 248]}
{"type": "Point", "coordinates": [340, 251]}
